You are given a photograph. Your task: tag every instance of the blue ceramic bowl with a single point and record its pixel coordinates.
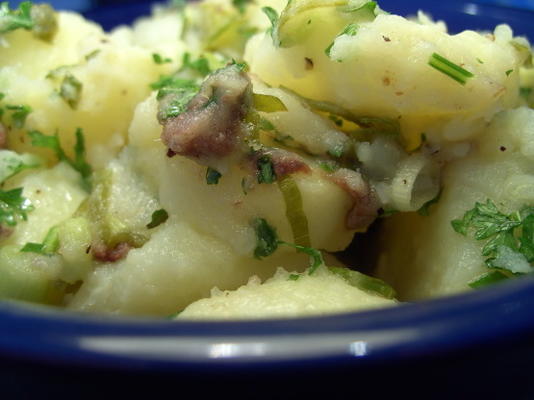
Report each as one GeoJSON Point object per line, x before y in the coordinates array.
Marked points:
{"type": "Point", "coordinates": [481, 340]}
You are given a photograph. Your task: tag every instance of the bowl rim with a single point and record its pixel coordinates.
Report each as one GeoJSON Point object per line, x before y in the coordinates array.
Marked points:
{"type": "Point", "coordinates": [44, 335]}
{"type": "Point", "coordinates": [407, 331]}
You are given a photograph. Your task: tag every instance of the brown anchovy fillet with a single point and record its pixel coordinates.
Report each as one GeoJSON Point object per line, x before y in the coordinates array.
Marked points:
{"type": "Point", "coordinates": [211, 125]}
{"type": "Point", "coordinates": [366, 202]}
{"type": "Point", "coordinates": [104, 254]}
{"type": "Point", "coordinates": [284, 162]}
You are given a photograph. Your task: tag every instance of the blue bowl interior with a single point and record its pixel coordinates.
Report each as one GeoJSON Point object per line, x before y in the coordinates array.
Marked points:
{"type": "Point", "coordinates": [411, 330]}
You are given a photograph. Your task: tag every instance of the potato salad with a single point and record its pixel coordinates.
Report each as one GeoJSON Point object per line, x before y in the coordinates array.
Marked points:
{"type": "Point", "coordinates": [216, 159]}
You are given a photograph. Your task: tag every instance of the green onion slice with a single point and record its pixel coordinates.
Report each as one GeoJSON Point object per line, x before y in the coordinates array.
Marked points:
{"type": "Point", "coordinates": [295, 211]}
{"type": "Point", "coordinates": [449, 68]}
{"type": "Point", "coordinates": [365, 282]}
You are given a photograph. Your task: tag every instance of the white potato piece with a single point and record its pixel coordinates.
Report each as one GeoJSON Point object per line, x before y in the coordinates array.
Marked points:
{"type": "Point", "coordinates": [183, 192]}
{"type": "Point", "coordinates": [55, 193]}
{"type": "Point", "coordinates": [280, 297]}
{"type": "Point", "coordinates": [176, 267]}
{"type": "Point", "coordinates": [423, 256]}
{"type": "Point", "coordinates": [383, 71]}
{"type": "Point", "coordinates": [108, 96]}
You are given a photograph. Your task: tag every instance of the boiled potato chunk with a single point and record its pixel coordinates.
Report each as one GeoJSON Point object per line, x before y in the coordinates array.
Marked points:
{"type": "Point", "coordinates": [317, 294]}
{"type": "Point", "coordinates": [55, 193]}
{"type": "Point", "coordinates": [104, 67]}
{"type": "Point", "coordinates": [423, 256]}
{"type": "Point", "coordinates": [176, 267]}
{"type": "Point", "coordinates": [383, 70]}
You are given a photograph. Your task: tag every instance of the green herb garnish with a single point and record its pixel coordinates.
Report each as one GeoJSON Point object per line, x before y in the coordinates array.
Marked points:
{"type": "Point", "coordinates": [240, 5]}
{"type": "Point", "coordinates": [20, 113]}
{"type": "Point", "coordinates": [450, 69]}
{"type": "Point", "coordinates": [13, 207]}
{"type": "Point", "coordinates": [266, 238]}
{"type": "Point", "coordinates": [174, 94]}
{"type": "Point", "coordinates": [158, 59]}
{"type": "Point", "coordinates": [71, 90]}
{"type": "Point", "coordinates": [79, 162]}
{"type": "Point", "coordinates": [158, 217]}
{"type": "Point", "coordinates": [40, 19]}
{"type": "Point", "coordinates": [212, 176]}
{"type": "Point", "coordinates": [49, 246]}
{"type": "Point", "coordinates": [425, 209]}
{"type": "Point", "coordinates": [350, 30]}
{"type": "Point", "coordinates": [201, 65]}
{"type": "Point", "coordinates": [266, 172]}
{"type": "Point", "coordinates": [272, 14]}
{"type": "Point", "coordinates": [509, 238]}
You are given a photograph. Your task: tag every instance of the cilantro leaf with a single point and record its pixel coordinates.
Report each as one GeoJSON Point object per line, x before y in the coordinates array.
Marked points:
{"type": "Point", "coordinates": [266, 238]}
{"type": "Point", "coordinates": [158, 217]}
{"type": "Point", "coordinates": [79, 162]}
{"type": "Point", "coordinates": [13, 207]}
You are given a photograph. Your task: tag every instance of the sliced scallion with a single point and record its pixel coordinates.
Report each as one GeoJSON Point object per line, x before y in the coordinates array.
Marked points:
{"type": "Point", "coordinates": [449, 68]}
{"type": "Point", "coordinates": [295, 211]}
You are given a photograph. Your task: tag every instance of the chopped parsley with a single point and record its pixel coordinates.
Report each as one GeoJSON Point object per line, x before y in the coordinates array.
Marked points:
{"type": "Point", "coordinates": [212, 176]}
{"type": "Point", "coordinates": [174, 94]}
{"type": "Point", "coordinates": [11, 163]}
{"type": "Point", "coordinates": [158, 217]}
{"type": "Point", "coordinates": [70, 90]}
{"type": "Point", "coordinates": [13, 207]}
{"type": "Point", "coordinates": [329, 166]}
{"type": "Point", "coordinates": [266, 172]}
{"type": "Point", "coordinates": [266, 238]}
{"type": "Point", "coordinates": [20, 18]}
{"type": "Point", "coordinates": [449, 68]}
{"type": "Point", "coordinates": [509, 72]}
{"type": "Point", "coordinates": [40, 19]}
{"type": "Point", "coordinates": [350, 30]}
{"type": "Point", "coordinates": [267, 243]}
{"type": "Point", "coordinates": [240, 5]}
{"type": "Point", "coordinates": [272, 14]}
{"type": "Point", "coordinates": [509, 239]}
{"type": "Point", "coordinates": [19, 115]}
{"type": "Point", "coordinates": [201, 65]}
{"type": "Point", "coordinates": [49, 246]}
{"type": "Point", "coordinates": [369, 6]}
{"type": "Point", "coordinates": [79, 162]}
{"type": "Point", "coordinates": [316, 257]}
{"type": "Point", "coordinates": [158, 59]}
